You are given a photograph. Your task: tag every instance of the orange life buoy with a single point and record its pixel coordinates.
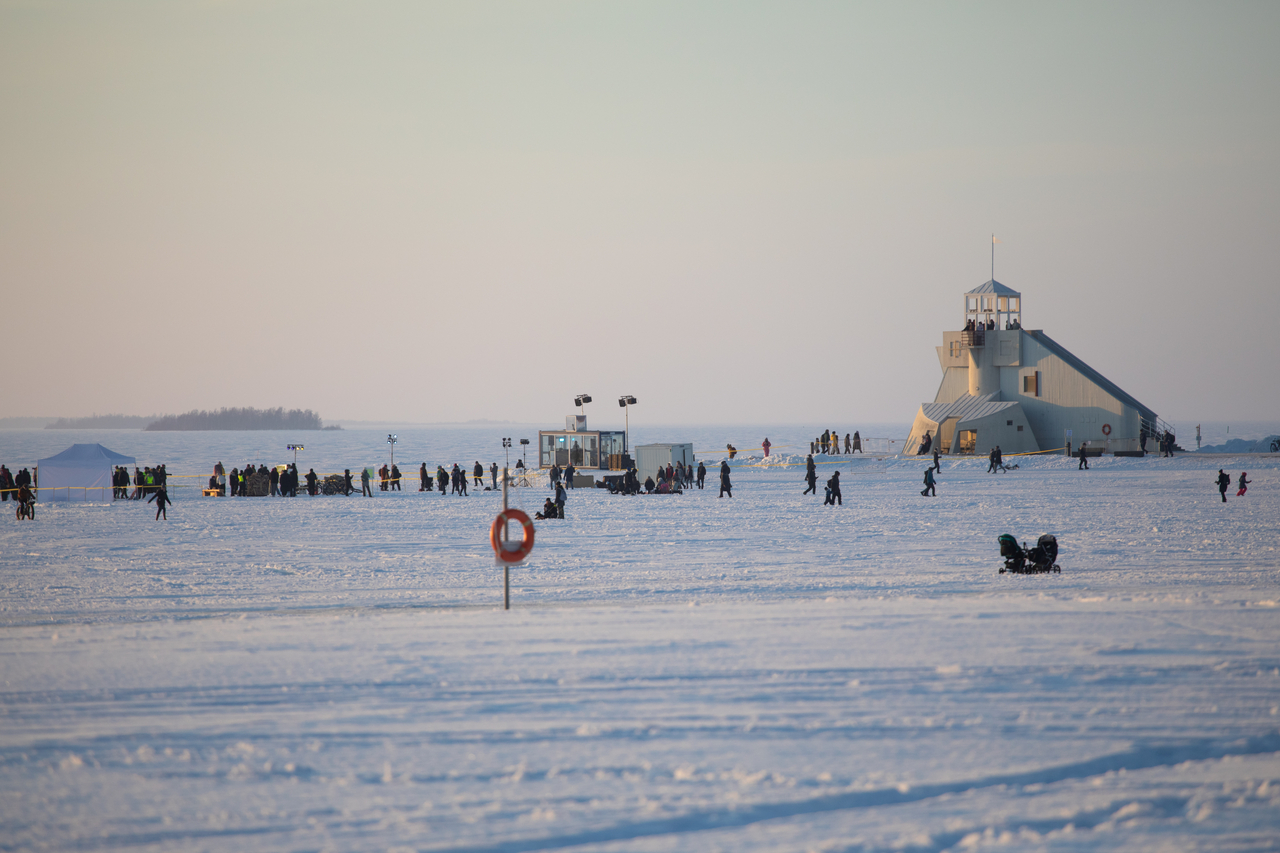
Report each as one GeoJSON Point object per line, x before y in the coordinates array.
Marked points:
{"type": "Point", "coordinates": [509, 552]}
{"type": "Point", "coordinates": [1106, 429]}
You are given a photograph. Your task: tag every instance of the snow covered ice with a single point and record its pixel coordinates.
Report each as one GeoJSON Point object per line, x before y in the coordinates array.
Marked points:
{"type": "Point", "coordinates": [677, 673]}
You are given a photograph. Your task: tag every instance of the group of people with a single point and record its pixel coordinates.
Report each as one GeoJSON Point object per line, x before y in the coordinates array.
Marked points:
{"type": "Point", "coordinates": [18, 485]}
{"type": "Point", "coordinates": [146, 482]}
{"type": "Point", "coordinates": [1224, 483]}
{"type": "Point", "coordinates": [833, 494]}
{"type": "Point", "coordinates": [261, 481]}
{"type": "Point", "coordinates": [829, 442]}
{"type": "Point", "coordinates": [1166, 441]}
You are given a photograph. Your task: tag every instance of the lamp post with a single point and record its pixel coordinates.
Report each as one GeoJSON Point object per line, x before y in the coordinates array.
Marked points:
{"type": "Point", "coordinates": [506, 445]}
{"type": "Point", "coordinates": [295, 448]}
{"type": "Point", "coordinates": [392, 438]}
{"type": "Point", "coordinates": [626, 402]}
{"type": "Point", "coordinates": [580, 401]}
{"type": "Point", "coordinates": [524, 452]}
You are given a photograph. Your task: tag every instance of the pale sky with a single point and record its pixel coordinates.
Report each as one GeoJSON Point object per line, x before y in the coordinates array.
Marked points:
{"type": "Point", "coordinates": [737, 212]}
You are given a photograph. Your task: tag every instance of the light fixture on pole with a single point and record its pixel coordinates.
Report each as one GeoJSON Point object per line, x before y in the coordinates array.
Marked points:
{"type": "Point", "coordinates": [506, 445]}
{"type": "Point", "coordinates": [392, 438]}
{"type": "Point", "coordinates": [626, 402]}
{"type": "Point", "coordinates": [295, 448]}
{"type": "Point", "coordinates": [581, 400]}
{"type": "Point", "coordinates": [524, 451]}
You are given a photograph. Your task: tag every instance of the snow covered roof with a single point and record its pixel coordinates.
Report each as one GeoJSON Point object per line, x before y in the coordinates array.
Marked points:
{"type": "Point", "coordinates": [965, 408]}
{"type": "Point", "coordinates": [995, 287]}
{"type": "Point", "coordinates": [87, 454]}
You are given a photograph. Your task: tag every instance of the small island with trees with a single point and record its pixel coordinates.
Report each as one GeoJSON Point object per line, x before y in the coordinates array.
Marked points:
{"type": "Point", "coordinates": [240, 419]}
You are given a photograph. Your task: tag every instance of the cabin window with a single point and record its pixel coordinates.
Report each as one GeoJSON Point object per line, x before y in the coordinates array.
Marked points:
{"type": "Point", "coordinates": [1019, 427]}
{"type": "Point", "coordinates": [1031, 384]}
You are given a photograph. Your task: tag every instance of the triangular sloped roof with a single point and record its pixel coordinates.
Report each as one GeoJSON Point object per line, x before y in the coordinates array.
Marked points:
{"type": "Point", "coordinates": [995, 287]}
{"type": "Point", "coordinates": [88, 454]}
{"type": "Point", "coordinates": [966, 408]}
{"type": "Point", "coordinates": [1097, 378]}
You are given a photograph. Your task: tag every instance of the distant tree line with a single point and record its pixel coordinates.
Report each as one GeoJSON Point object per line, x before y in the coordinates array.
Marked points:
{"type": "Point", "coordinates": [239, 419]}
{"type": "Point", "coordinates": [103, 422]}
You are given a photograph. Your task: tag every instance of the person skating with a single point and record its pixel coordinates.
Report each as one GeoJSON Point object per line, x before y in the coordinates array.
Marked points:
{"type": "Point", "coordinates": [833, 491]}
{"type": "Point", "coordinates": [1224, 482]}
{"type": "Point", "coordinates": [1084, 457]}
{"type": "Point", "coordinates": [810, 475]}
{"type": "Point", "coordinates": [930, 487]}
{"type": "Point", "coordinates": [702, 475]}
{"type": "Point", "coordinates": [725, 485]}
{"type": "Point", "coordinates": [1244, 484]}
{"type": "Point", "coordinates": [161, 497]}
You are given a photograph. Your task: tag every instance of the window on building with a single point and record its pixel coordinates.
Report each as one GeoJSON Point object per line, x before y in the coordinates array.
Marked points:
{"type": "Point", "coordinates": [955, 349]}
{"type": "Point", "coordinates": [1019, 427]}
{"type": "Point", "coordinates": [1031, 384]}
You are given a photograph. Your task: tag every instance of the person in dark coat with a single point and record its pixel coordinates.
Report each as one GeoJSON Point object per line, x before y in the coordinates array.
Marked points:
{"type": "Point", "coordinates": [1224, 483]}
{"type": "Point", "coordinates": [568, 475]}
{"type": "Point", "coordinates": [936, 465]}
{"type": "Point", "coordinates": [1084, 457]}
{"type": "Point", "coordinates": [442, 478]}
{"type": "Point", "coordinates": [395, 479]}
{"type": "Point", "coordinates": [925, 444]}
{"type": "Point", "coordinates": [810, 475]}
{"type": "Point", "coordinates": [561, 497]}
{"type": "Point", "coordinates": [702, 475]}
{"type": "Point", "coordinates": [833, 491]}
{"type": "Point", "coordinates": [274, 478]}
{"type": "Point", "coordinates": [161, 497]}
{"type": "Point", "coordinates": [312, 478]}
{"type": "Point", "coordinates": [477, 474]}
{"type": "Point", "coordinates": [365, 489]}
{"type": "Point", "coordinates": [424, 479]}
{"type": "Point", "coordinates": [930, 487]}
{"type": "Point", "coordinates": [346, 481]}
{"type": "Point", "coordinates": [1244, 484]}
{"type": "Point", "coordinates": [493, 474]}
{"type": "Point", "coordinates": [725, 485]}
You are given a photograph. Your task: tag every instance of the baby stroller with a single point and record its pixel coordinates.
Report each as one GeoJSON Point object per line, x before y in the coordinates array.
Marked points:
{"type": "Point", "coordinates": [1021, 560]}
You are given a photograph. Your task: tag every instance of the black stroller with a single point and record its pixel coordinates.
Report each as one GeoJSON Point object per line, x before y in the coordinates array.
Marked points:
{"type": "Point", "coordinates": [1021, 560]}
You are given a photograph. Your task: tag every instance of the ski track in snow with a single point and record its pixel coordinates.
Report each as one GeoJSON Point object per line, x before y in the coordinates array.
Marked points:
{"type": "Point", "coordinates": [677, 673]}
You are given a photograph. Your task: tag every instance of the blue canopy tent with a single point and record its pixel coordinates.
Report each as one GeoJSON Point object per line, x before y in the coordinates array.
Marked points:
{"type": "Point", "coordinates": [82, 472]}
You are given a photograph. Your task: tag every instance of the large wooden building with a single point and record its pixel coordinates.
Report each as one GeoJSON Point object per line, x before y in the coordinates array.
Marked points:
{"type": "Point", "coordinates": [1021, 390]}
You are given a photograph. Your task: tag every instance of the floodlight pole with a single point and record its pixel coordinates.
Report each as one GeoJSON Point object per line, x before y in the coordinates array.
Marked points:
{"type": "Point", "coordinates": [391, 440]}
{"type": "Point", "coordinates": [506, 567]}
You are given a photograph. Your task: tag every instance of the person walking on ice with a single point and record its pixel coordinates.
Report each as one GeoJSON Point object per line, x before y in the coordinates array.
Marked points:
{"type": "Point", "coordinates": [1244, 484]}
{"type": "Point", "coordinates": [725, 485]}
{"type": "Point", "coordinates": [1084, 457]}
{"type": "Point", "coordinates": [766, 445]}
{"type": "Point", "coordinates": [929, 487]}
{"type": "Point", "coordinates": [833, 491]}
{"type": "Point", "coordinates": [936, 456]}
{"type": "Point", "coordinates": [810, 476]}
{"type": "Point", "coordinates": [1224, 482]}
{"type": "Point", "coordinates": [702, 475]}
{"type": "Point", "coordinates": [161, 497]}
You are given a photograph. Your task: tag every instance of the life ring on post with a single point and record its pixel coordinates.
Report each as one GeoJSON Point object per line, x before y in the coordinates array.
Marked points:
{"type": "Point", "coordinates": [1106, 429]}
{"type": "Point", "coordinates": [509, 552]}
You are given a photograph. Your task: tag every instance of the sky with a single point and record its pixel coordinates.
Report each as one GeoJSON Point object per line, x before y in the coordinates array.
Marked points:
{"type": "Point", "coordinates": [736, 212]}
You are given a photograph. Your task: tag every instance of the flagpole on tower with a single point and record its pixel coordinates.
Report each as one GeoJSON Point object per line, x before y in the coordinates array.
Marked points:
{"type": "Point", "coordinates": [993, 257]}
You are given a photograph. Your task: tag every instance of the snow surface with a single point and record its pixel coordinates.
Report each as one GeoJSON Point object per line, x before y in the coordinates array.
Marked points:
{"type": "Point", "coordinates": [677, 672]}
